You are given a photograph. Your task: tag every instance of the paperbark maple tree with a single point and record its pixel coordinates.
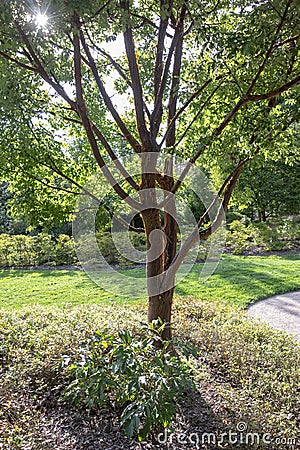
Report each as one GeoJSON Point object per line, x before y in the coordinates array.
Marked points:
{"type": "Point", "coordinates": [193, 72]}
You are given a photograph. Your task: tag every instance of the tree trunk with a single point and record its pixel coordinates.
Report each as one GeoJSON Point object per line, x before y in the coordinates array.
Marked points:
{"type": "Point", "coordinates": [262, 215]}
{"type": "Point", "coordinates": [160, 307]}
{"type": "Point", "coordinates": [159, 303]}
{"type": "Point", "coordinates": [160, 243]}
{"type": "Point", "coordinates": [161, 248]}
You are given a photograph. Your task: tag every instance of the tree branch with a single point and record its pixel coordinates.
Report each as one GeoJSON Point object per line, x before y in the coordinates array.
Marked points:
{"type": "Point", "coordinates": [158, 66]}
{"type": "Point", "coordinates": [41, 71]}
{"type": "Point", "coordinates": [218, 77]}
{"type": "Point", "coordinates": [187, 103]}
{"type": "Point", "coordinates": [149, 22]}
{"type": "Point", "coordinates": [115, 159]}
{"type": "Point", "coordinates": [197, 235]}
{"type": "Point", "coordinates": [156, 116]}
{"type": "Point", "coordinates": [117, 66]}
{"type": "Point", "coordinates": [270, 49]}
{"type": "Point", "coordinates": [126, 133]}
{"type": "Point", "coordinates": [98, 11]}
{"type": "Point", "coordinates": [287, 40]}
{"type": "Point", "coordinates": [100, 202]}
{"type": "Point", "coordinates": [109, 150]}
{"type": "Point", "coordinates": [170, 140]}
{"type": "Point", "coordinates": [86, 121]}
{"type": "Point", "coordinates": [19, 63]}
{"type": "Point", "coordinates": [279, 90]}
{"type": "Point", "coordinates": [197, 115]}
{"type": "Point", "coordinates": [243, 100]}
{"type": "Point", "coordinates": [51, 186]}
{"type": "Point", "coordinates": [136, 81]}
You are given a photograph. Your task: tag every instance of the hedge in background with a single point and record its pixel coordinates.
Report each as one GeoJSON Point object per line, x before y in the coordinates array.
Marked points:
{"type": "Point", "coordinates": [242, 237]}
{"type": "Point", "coordinates": [254, 237]}
{"type": "Point", "coordinates": [21, 250]}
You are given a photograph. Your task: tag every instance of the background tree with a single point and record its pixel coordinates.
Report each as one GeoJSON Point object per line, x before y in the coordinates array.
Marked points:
{"type": "Point", "coordinates": [213, 82]}
{"type": "Point", "coordinates": [8, 222]}
{"type": "Point", "coordinates": [269, 189]}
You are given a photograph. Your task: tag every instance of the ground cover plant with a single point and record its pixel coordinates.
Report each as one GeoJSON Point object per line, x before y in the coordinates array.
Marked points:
{"type": "Point", "coordinates": [244, 372]}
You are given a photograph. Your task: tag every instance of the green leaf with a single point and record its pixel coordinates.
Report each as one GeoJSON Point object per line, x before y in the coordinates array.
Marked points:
{"type": "Point", "coordinates": [131, 427]}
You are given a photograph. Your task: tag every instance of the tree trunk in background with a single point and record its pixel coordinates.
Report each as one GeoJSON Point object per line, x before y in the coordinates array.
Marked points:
{"type": "Point", "coordinates": [262, 215]}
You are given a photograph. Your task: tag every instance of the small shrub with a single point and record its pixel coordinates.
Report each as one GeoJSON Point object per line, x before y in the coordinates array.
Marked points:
{"type": "Point", "coordinates": [108, 248]}
{"type": "Point", "coordinates": [267, 237]}
{"type": "Point", "coordinates": [6, 248]}
{"type": "Point", "coordinates": [138, 240]}
{"type": "Point", "coordinates": [240, 237]}
{"type": "Point", "coordinates": [254, 236]}
{"type": "Point", "coordinates": [16, 250]}
{"type": "Point", "coordinates": [43, 248]}
{"type": "Point", "coordinates": [114, 247]}
{"type": "Point", "coordinates": [129, 372]}
{"type": "Point", "coordinates": [289, 233]}
{"type": "Point", "coordinates": [64, 252]}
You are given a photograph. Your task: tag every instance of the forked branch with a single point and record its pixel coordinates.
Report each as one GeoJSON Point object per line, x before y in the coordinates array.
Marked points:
{"type": "Point", "coordinates": [135, 80]}
{"type": "Point", "coordinates": [41, 70]}
{"type": "Point", "coordinates": [158, 66]}
{"type": "Point", "coordinates": [126, 133]}
{"type": "Point", "coordinates": [87, 124]}
{"type": "Point", "coordinates": [173, 97]}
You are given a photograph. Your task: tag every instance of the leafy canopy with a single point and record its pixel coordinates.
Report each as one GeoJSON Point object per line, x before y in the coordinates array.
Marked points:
{"type": "Point", "coordinates": [231, 51]}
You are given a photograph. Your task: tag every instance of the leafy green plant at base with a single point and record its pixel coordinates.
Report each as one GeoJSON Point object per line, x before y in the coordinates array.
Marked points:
{"type": "Point", "coordinates": [140, 375]}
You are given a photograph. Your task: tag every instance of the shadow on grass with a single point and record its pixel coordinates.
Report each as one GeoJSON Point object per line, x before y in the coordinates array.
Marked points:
{"type": "Point", "coordinates": [245, 279]}
{"type": "Point", "coordinates": [238, 279]}
{"type": "Point", "coordinates": [10, 273]}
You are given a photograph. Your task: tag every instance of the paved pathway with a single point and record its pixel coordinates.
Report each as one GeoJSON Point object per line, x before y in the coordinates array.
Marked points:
{"type": "Point", "coordinates": [280, 311]}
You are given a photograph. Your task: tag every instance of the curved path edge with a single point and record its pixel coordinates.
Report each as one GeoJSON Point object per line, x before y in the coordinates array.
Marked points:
{"type": "Point", "coordinates": [280, 311]}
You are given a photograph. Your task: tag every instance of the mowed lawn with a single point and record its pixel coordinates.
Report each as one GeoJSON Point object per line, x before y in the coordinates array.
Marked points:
{"type": "Point", "coordinates": [237, 280]}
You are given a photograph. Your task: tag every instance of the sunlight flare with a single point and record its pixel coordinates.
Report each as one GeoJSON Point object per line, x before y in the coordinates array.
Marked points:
{"type": "Point", "coordinates": [41, 20]}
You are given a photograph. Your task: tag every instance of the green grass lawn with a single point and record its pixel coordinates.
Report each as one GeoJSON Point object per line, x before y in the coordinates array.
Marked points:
{"type": "Point", "coordinates": [238, 280]}
{"type": "Point", "coordinates": [241, 280]}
